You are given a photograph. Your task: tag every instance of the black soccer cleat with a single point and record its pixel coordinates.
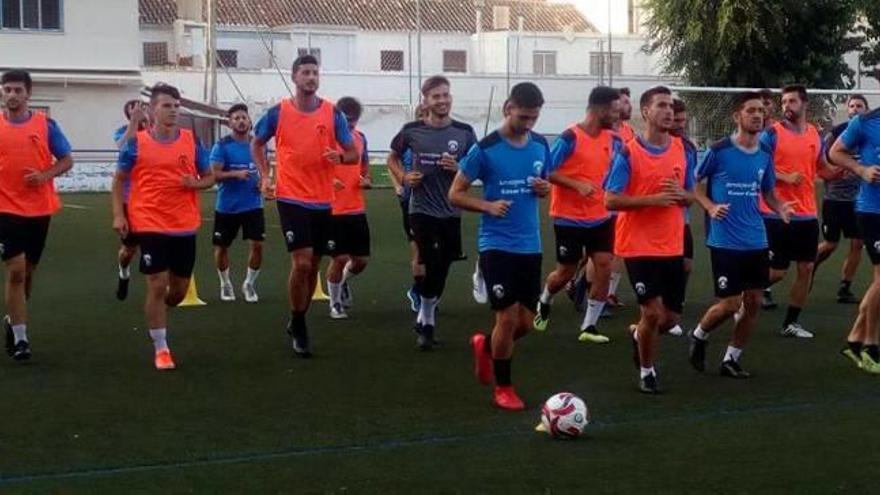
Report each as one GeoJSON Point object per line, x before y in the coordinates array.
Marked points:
{"type": "Point", "coordinates": [10, 337]}
{"type": "Point", "coordinates": [845, 296]}
{"type": "Point", "coordinates": [299, 341]}
{"type": "Point", "coordinates": [697, 353]}
{"type": "Point", "coordinates": [425, 340]}
{"type": "Point", "coordinates": [732, 369]}
{"type": "Point", "coordinates": [22, 351]}
{"type": "Point", "coordinates": [648, 385]}
{"type": "Point", "coordinates": [122, 288]}
{"type": "Point", "coordinates": [767, 301]}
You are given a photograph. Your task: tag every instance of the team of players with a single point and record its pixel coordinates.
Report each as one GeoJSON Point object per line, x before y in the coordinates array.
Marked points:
{"type": "Point", "coordinates": [612, 194]}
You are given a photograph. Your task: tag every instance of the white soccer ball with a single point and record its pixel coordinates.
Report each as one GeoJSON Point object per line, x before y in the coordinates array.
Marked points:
{"type": "Point", "coordinates": [565, 415]}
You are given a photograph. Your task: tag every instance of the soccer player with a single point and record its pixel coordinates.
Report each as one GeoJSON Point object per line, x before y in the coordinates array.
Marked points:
{"type": "Point", "coordinates": [239, 204]}
{"type": "Point", "coordinates": [435, 143]}
{"type": "Point", "coordinates": [33, 151]}
{"type": "Point", "coordinates": [679, 129]}
{"type": "Point", "coordinates": [167, 167]}
{"type": "Point", "coordinates": [839, 212]}
{"type": "Point", "coordinates": [511, 163]}
{"type": "Point", "coordinates": [649, 183]}
{"type": "Point", "coordinates": [767, 99]}
{"type": "Point", "coordinates": [137, 115]}
{"type": "Point", "coordinates": [734, 173]}
{"type": "Point", "coordinates": [583, 227]}
{"type": "Point", "coordinates": [862, 138]}
{"type": "Point", "coordinates": [622, 126]}
{"type": "Point", "coordinates": [349, 230]}
{"type": "Point", "coordinates": [311, 137]}
{"type": "Point", "coordinates": [797, 158]}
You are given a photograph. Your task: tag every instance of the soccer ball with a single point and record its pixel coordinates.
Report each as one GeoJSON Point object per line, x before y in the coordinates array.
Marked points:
{"type": "Point", "coordinates": [564, 415]}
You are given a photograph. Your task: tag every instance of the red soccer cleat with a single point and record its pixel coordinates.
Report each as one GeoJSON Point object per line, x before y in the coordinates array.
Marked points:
{"type": "Point", "coordinates": [506, 398]}
{"type": "Point", "coordinates": [482, 360]}
{"type": "Point", "coordinates": [164, 361]}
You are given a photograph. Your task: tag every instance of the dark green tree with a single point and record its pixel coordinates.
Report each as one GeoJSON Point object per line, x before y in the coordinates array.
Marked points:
{"type": "Point", "coordinates": [869, 26]}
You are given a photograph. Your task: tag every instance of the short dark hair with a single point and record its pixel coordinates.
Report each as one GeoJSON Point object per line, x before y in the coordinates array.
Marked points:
{"type": "Point", "coordinates": [648, 95]}
{"type": "Point", "coordinates": [765, 94]}
{"type": "Point", "coordinates": [433, 82]}
{"type": "Point", "coordinates": [858, 96]}
{"type": "Point", "coordinates": [740, 100]}
{"type": "Point", "coordinates": [304, 60]}
{"type": "Point", "coordinates": [602, 96]}
{"type": "Point", "coordinates": [351, 107]}
{"type": "Point", "coordinates": [678, 106]}
{"type": "Point", "coordinates": [624, 91]}
{"type": "Point", "coordinates": [18, 76]}
{"type": "Point", "coordinates": [126, 109]}
{"type": "Point", "coordinates": [526, 95]}
{"type": "Point", "coordinates": [796, 88]}
{"type": "Point", "coordinates": [238, 107]}
{"type": "Point", "coordinates": [164, 89]}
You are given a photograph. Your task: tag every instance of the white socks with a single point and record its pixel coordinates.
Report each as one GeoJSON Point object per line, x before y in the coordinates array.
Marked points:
{"type": "Point", "coordinates": [594, 310]}
{"type": "Point", "coordinates": [20, 332]}
{"type": "Point", "coordinates": [159, 339]}
{"type": "Point", "coordinates": [615, 281]}
{"type": "Point", "coordinates": [643, 372]}
{"type": "Point", "coordinates": [251, 277]}
{"type": "Point", "coordinates": [732, 354]}
{"type": "Point", "coordinates": [700, 334]}
{"type": "Point", "coordinates": [335, 291]}
{"type": "Point", "coordinates": [125, 272]}
{"type": "Point", "coordinates": [346, 273]}
{"type": "Point", "coordinates": [224, 277]}
{"type": "Point", "coordinates": [426, 312]}
{"type": "Point", "coordinates": [546, 296]}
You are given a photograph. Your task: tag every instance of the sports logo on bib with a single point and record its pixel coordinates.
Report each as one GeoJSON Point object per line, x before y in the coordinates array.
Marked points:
{"type": "Point", "coordinates": [148, 260]}
{"type": "Point", "coordinates": [877, 246]}
{"type": "Point", "coordinates": [563, 250]}
{"type": "Point", "coordinates": [289, 236]}
{"type": "Point", "coordinates": [218, 235]}
{"type": "Point", "coordinates": [640, 288]}
{"type": "Point", "coordinates": [498, 290]}
{"type": "Point", "coordinates": [722, 283]}
{"type": "Point", "coordinates": [2, 249]}
{"type": "Point", "coordinates": [331, 245]}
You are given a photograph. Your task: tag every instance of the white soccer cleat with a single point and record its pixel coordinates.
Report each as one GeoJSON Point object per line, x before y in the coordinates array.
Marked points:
{"type": "Point", "coordinates": [479, 288]}
{"type": "Point", "coordinates": [337, 312]}
{"type": "Point", "coordinates": [797, 331]}
{"type": "Point", "coordinates": [250, 292]}
{"type": "Point", "coordinates": [676, 331]}
{"type": "Point", "coordinates": [227, 293]}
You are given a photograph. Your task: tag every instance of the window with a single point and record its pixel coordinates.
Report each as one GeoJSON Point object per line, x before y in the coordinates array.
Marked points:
{"type": "Point", "coordinates": [599, 63]}
{"type": "Point", "coordinates": [391, 60]}
{"type": "Point", "coordinates": [155, 53]}
{"type": "Point", "coordinates": [227, 58]}
{"type": "Point", "coordinates": [454, 61]}
{"type": "Point", "coordinates": [544, 63]}
{"type": "Point", "coordinates": [315, 52]}
{"type": "Point", "coordinates": [30, 14]}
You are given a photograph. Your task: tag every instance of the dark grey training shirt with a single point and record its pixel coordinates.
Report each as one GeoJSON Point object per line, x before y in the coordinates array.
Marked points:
{"type": "Point", "coordinates": [846, 188]}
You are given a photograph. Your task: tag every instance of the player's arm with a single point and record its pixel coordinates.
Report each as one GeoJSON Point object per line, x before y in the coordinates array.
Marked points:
{"type": "Point", "coordinates": [221, 175]}
{"type": "Point", "coordinates": [584, 188]}
{"type": "Point", "coordinates": [60, 148]}
{"type": "Point", "coordinates": [459, 197]}
{"type": "Point", "coordinates": [136, 114]}
{"type": "Point", "coordinates": [841, 154]}
{"type": "Point", "coordinates": [783, 209]}
{"type": "Point", "coordinates": [561, 151]}
{"type": "Point", "coordinates": [616, 184]}
{"type": "Point", "coordinates": [826, 170]}
{"type": "Point", "coordinates": [345, 140]}
{"type": "Point", "coordinates": [205, 174]}
{"type": "Point", "coordinates": [124, 166]}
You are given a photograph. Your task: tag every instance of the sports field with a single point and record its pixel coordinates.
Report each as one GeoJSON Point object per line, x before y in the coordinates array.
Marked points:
{"type": "Point", "coordinates": [371, 414]}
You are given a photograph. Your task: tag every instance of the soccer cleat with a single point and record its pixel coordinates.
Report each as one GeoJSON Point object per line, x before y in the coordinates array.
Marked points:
{"type": "Point", "coordinates": [10, 337]}
{"type": "Point", "coordinates": [483, 369]}
{"type": "Point", "coordinates": [425, 339]}
{"type": "Point", "coordinates": [163, 360]}
{"type": "Point", "coordinates": [250, 292]}
{"type": "Point", "coordinates": [637, 362]}
{"type": "Point", "coordinates": [697, 353]}
{"type": "Point", "coordinates": [505, 398]}
{"type": "Point", "coordinates": [767, 301]}
{"type": "Point", "coordinates": [648, 385]}
{"type": "Point", "coordinates": [852, 356]}
{"type": "Point", "coordinates": [732, 369]}
{"type": "Point", "coordinates": [227, 293]}
{"type": "Point", "coordinates": [542, 317]}
{"type": "Point", "coordinates": [122, 288]}
{"type": "Point", "coordinates": [479, 288]}
{"type": "Point", "coordinates": [415, 302]}
{"type": "Point", "coordinates": [337, 312]}
{"type": "Point", "coordinates": [346, 296]}
{"type": "Point", "coordinates": [869, 365]}
{"type": "Point", "coordinates": [844, 296]}
{"type": "Point", "coordinates": [675, 331]}
{"type": "Point", "coordinates": [299, 340]}
{"type": "Point", "coordinates": [22, 351]}
{"type": "Point", "coordinates": [796, 330]}
{"type": "Point", "coordinates": [590, 334]}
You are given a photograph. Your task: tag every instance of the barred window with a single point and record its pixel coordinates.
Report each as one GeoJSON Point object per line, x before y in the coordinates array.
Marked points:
{"type": "Point", "coordinates": [30, 14]}
{"type": "Point", "coordinates": [155, 53]}
{"type": "Point", "coordinates": [391, 60]}
{"type": "Point", "coordinates": [454, 61]}
{"type": "Point", "coordinates": [227, 58]}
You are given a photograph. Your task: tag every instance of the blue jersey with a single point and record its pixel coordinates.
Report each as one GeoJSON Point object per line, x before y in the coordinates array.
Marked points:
{"type": "Point", "coordinates": [737, 177]}
{"type": "Point", "coordinates": [507, 172]}
{"type": "Point", "coordinates": [406, 161]}
{"type": "Point", "coordinates": [126, 186]}
{"type": "Point", "coordinates": [862, 136]}
{"type": "Point", "coordinates": [236, 195]}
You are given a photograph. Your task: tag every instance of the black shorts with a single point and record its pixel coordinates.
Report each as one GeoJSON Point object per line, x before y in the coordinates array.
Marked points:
{"type": "Point", "coordinates": [839, 217]}
{"type": "Point", "coordinates": [26, 235]}
{"type": "Point", "coordinates": [737, 271]}
{"type": "Point", "coordinates": [795, 241]}
{"type": "Point", "coordinates": [252, 224]}
{"type": "Point", "coordinates": [350, 234]}
{"type": "Point", "coordinates": [573, 242]}
{"type": "Point", "coordinates": [304, 227]}
{"type": "Point", "coordinates": [404, 213]}
{"type": "Point", "coordinates": [869, 229]}
{"type": "Point", "coordinates": [688, 242]}
{"type": "Point", "coordinates": [129, 239]}
{"type": "Point", "coordinates": [511, 278]}
{"type": "Point", "coordinates": [161, 252]}
{"type": "Point", "coordinates": [439, 235]}
{"type": "Point", "coordinates": [661, 276]}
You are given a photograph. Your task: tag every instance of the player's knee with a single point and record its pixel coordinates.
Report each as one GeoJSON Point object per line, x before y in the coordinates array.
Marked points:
{"type": "Point", "coordinates": [302, 265]}
{"type": "Point", "coordinates": [730, 305]}
{"type": "Point", "coordinates": [256, 247]}
{"type": "Point", "coordinates": [358, 264]}
{"type": "Point", "coordinates": [16, 275]}
{"type": "Point", "coordinates": [653, 313]}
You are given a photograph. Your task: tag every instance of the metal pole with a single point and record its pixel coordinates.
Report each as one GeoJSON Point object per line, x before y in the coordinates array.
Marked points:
{"type": "Point", "coordinates": [419, 38]}
{"type": "Point", "coordinates": [212, 59]}
{"type": "Point", "coordinates": [409, 58]}
{"type": "Point", "coordinates": [610, 55]}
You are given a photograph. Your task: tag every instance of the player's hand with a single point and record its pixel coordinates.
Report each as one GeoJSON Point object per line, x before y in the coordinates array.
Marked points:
{"type": "Point", "coordinates": [333, 156]}
{"type": "Point", "coordinates": [585, 188]}
{"type": "Point", "coordinates": [786, 210]}
{"type": "Point", "coordinates": [670, 193]}
{"type": "Point", "coordinates": [338, 185]}
{"type": "Point", "coordinates": [366, 182]}
{"type": "Point", "coordinates": [870, 173]}
{"type": "Point", "coordinates": [138, 114]}
{"type": "Point", "coordinates": [241, 174]}
{"type": "Point", "coordinates": [448, 163]}
{"type": "Point", "coordinates": [120, 225]}
{"type": "Point", "coordinates": [190, 182]}
{"type": "Point", "coordinates": [541, 187]}
{"type": "Point", "coordinates": [719, 212]}
{"type": "Point", "coordinates": [34, 177]}
{"type": "Point", "coordinates": [267, 188]}
{"type": "Point", "coordinates": [499, 208]}
{"type": "Point", "coordinates": [398, 190]}
{"type": "Point", "coordinates": [413, 179]}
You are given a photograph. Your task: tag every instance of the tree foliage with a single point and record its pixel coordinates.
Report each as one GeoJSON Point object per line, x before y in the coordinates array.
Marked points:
{"type": "Point", "coordinates": [869, 27]}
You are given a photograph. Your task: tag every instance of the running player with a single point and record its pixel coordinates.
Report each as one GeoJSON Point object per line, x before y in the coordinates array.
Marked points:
{"type": "Point", "coordinates": [350, 232]}
{"type": "Point", "coordinates": [797, 159]}
{"type": "Point", "coordinates": [239, 204]}
{"type": "Point", "coordinates": [436, 143]}
{"type": "Point", "coordinates": [649, 183]}
{"type": "Point", "coordinates": [767, 99]}
{"type": "Point", "coordinates": [734, 173]}
{"type": "Point", "coordinates": [33, 151]}
{"type": "Point", "coordinates": [839, 213]}
{"type": "Point", "coordinates": [862, 138]}
{"type": "Point", "coordinates": [136, 112]}
{"type": "Point", "coordinates": [511, 163]}
{"type": "Point", "coordinates": [622, 126]}
{"type": "Point", "coordinates": [584, 228]}
{"type": "Point", "coordinates": [311, 137]}
{"type": "Point", "coordinates": [167, 167]}
{"type": "Point", "coordinates": [679, 129]}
